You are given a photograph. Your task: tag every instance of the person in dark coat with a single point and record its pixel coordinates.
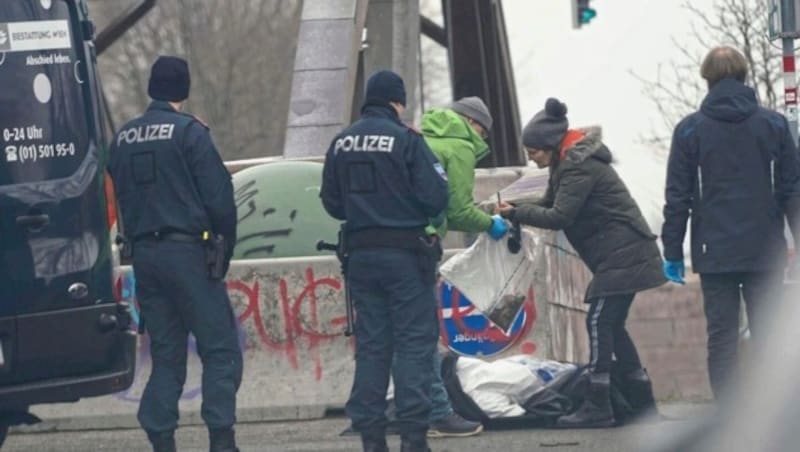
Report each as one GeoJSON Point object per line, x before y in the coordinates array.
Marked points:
{"type": "Point", "coordinates": [733, 168]}
{"type": "Point", "coordinates": [588, 201]}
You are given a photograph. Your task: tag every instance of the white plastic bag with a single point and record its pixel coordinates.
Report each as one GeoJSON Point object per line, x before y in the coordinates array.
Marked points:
{"type": "Point", "coordinates": [492, 385]}
{"type": "Point", "coordinates": [545, 370]}
{"type": "Point", "coordinates": [493, 279]}
{"type": "Point", "coordinates": [502, 387]}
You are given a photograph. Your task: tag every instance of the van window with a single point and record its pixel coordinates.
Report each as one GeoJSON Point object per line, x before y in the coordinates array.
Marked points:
{"type": "Point", "coordinates": [43, 113]}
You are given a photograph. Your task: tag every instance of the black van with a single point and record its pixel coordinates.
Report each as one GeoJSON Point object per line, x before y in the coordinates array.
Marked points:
{"type": "Point", "coordinates": [63, 336]}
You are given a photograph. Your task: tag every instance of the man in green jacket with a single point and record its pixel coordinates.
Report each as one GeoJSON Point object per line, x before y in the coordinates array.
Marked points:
{"type": "Point", "coordinates": [457, 135]}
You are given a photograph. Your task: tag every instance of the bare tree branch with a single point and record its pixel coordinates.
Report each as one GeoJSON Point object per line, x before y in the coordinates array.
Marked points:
{"type": "Point", "coordinates": [238, 52]}
{"type": "Point", "coordinates": [678, 88]}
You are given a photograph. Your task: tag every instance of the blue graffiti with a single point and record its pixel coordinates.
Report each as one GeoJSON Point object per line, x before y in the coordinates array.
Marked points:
{"type": "Point", "coordinates": [128, 293]}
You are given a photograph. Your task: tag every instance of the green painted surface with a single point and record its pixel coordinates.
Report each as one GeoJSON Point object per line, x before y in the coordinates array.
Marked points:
{"type": "Point", "coordinates": [279, 211]}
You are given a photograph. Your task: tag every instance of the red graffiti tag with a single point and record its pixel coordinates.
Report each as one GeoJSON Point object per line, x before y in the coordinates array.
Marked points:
{"type": "Point", "coordinates": [298, 317]}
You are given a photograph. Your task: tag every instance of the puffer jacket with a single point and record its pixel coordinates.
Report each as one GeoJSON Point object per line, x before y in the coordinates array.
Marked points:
{"type": "Point", "coordinates": [587, 200]}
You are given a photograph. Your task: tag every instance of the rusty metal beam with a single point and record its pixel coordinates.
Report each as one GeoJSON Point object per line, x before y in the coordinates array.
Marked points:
{"type": "Point", "coordinates": [433, 30]}
{"type": "Point", "coordinates": [480, 65]}
{"type": "Point", "coordinates": [121, 24]}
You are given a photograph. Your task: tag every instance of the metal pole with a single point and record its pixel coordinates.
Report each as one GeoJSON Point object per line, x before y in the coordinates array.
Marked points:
{"type": "Point", "coordinates": [789, 78]}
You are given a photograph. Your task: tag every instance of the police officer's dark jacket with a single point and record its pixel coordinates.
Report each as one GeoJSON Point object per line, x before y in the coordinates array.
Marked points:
{"type": "Point", "coordinates": [169, 177]}
{"type": "Point", "coordinates": [733, 166]}
{"type": "Point", "coordinates": [378, 173]}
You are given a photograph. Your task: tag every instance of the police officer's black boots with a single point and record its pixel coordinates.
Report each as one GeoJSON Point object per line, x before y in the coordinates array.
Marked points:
{"type": "Point", "coordinates": [222, 440]}
{"type": "Point", "coordinates": [162, 441]}
{"type": "Point", "coordinates": [638, 391]}
{"type": "Point", "coordinates": [596, 411]}
{"type": "Point", "coordinates": [414, 442]}
{"type": "Point", "coordinates": [374, 444]}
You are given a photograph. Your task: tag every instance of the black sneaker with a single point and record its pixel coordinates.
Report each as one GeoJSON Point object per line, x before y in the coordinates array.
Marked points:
{"type": "Point", "coordinates": [454, 426]}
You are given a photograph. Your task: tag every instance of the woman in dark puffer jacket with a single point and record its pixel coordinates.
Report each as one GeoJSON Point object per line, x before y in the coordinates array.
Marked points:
{"type": "Point", "coordinates": [588, 201]}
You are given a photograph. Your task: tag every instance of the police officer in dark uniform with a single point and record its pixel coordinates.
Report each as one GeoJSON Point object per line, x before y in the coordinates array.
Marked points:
{"type": "Point", "coordinates": [178, 212]}
{"type": "Point", "coordinates": [381, 178]}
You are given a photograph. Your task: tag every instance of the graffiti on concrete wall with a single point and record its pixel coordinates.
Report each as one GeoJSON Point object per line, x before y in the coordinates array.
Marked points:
{"type": "Point", "coordinates": [133, 394]}
{"type": "Point", "coordinates": [283, 314]}
{"type": "Point", "coordinates": [289, 315]}
{"type": "Point", "coordinates": [262, 240]}
{"type": "Point", "coordinates": [279, 212]}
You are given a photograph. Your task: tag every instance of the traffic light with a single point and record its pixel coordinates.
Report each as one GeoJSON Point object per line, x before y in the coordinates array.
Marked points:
{"type": "Point", "coordinates": [582, 13]}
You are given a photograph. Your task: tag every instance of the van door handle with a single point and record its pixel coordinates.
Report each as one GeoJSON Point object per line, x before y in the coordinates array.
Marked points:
{"type": "Point", "coordinates": [33, 222]}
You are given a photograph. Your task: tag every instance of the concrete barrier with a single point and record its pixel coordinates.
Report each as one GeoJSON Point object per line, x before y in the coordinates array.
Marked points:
{"type": "Point", "coordinates": [291, 316]}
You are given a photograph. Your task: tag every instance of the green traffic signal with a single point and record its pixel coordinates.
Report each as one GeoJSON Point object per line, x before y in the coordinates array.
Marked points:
{"type": "Point", "coordinates": [587, 14]}
{"type": "Point", "coordinates": [582, 13]}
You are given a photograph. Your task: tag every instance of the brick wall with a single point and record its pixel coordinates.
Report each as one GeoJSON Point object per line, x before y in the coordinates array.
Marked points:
{"type": "Point", "coordinates": [669, 328]}
{"type": "Point", "coordinates": [667, 324]}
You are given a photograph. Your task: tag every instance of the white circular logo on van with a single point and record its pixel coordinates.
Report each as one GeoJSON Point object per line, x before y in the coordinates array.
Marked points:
{"type": "Point", "coordinates": [46, 4]}
{"type": "Point", "coordinates": [42, 88]}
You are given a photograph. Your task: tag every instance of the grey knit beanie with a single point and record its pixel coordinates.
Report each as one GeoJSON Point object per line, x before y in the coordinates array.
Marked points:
{"type": "Point", "coordinates": [547, 128]}
{"type": "Point", "coordinates": [474, 108]}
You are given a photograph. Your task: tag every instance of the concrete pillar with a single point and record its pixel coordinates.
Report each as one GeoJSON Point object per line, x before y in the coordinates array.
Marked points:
{"type": "Point", "coordinates": [326, 86]}
{"type": "Point", "coordinates": [393, 43]}
{"type": "Point", "coordinates": [324, 74]}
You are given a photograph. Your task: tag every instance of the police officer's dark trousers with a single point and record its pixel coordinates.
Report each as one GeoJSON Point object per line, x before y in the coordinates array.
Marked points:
{"type": "Point", "coordinates": [396, 315]}
{"type": "Point", "coordinates": [176, 298]}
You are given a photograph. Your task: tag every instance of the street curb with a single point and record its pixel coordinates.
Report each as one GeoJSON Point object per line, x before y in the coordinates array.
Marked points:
{"type": "Point", "coordinates": [128, 421]}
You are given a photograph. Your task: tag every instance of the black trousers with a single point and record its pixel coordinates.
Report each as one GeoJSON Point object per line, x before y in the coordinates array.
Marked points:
{"type": "Point", "coordinates": [722, 295]}
{"type": "Point", "coordinates": [605, 323]}
{"type": "Point", "coordinates": [397, 331]}
{"type": "Point", "coordinates": [176, 298]}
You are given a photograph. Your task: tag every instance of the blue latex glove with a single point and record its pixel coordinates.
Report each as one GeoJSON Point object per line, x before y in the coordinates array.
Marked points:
{"type": "Point", "coordinates": [499, 227]}
{"type": "Point", "coordinates": [674, 271]}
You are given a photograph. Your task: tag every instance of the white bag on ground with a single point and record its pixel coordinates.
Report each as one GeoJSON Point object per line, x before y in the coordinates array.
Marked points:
{"type": "Point", "coordinates": [489, 385]}
{"type": "Point", "coordinates": [501, 387]}
{"type": "Point", "coordinates": [545, 370]}
{"type": "Point", "coordinates": [493, 279]}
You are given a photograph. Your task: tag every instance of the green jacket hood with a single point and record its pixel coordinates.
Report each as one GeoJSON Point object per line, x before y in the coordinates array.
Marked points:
{"type": "Point", "coordinates": [446, 124]}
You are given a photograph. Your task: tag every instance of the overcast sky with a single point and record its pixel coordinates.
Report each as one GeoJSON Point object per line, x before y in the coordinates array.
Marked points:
{"type": "Point", "coordinates": [589, 70]}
